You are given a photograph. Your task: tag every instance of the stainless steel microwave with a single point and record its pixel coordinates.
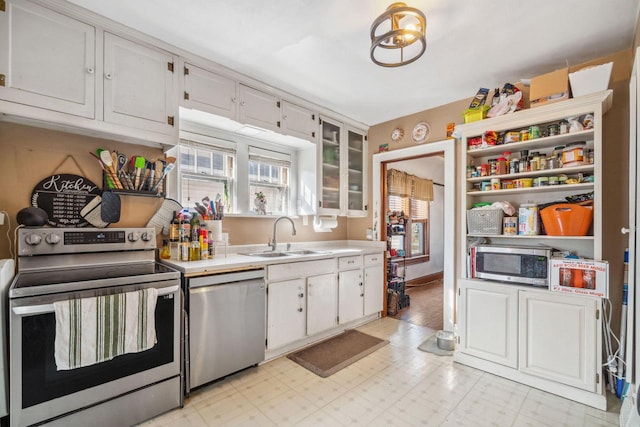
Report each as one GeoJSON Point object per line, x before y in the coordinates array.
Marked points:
{"type": "Point", "coordinates": [516, 264]}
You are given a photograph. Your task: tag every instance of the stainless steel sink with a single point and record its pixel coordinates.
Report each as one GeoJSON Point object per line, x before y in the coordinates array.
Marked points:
{"type": "Point", "coordinates": [304, 252]}
{"type": "Point", "coordinates": [269, 254]}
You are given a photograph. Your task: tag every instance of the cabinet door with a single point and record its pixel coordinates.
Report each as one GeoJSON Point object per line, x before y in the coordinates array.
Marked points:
{"type": "Point", "coordinates": [373, 284]}
{"type": "Point", "coordinates": [356, 170]}
{"type": "Point", "coordinates": [47, 59]}
{"type": "Point", "coordinates": [350, 295]}
{"type": "Point", "coordinates": [558, 338]}
{"type": "Point", "coordinates": [329, 167]}
{"type": "Point", "coordinates": [210, 92]}
{"type": "Point", "coordinates": [285, 312]}
{"type": "Point", "coordinates": [138, 86]}
{"type": "Point", "coordinates": [298, 121]}
{"type": "Point", "coordinates": [322, 303]}
{"type": "Point", "coordinates": [488, 320]}
{"type": "Point", "coordinates": [259, 108]}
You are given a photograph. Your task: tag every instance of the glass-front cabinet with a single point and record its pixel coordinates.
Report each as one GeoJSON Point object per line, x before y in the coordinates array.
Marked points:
{"type": "Point", "coordinates": [330, 165]}
{"type": "Point", "coordinates": [342, 156]}
{"type": "Point", "coordinates": [356, 171]}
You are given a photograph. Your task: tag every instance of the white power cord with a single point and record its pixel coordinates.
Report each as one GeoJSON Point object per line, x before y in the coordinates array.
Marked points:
{"type": "Point", "coordinates": [8, 232]}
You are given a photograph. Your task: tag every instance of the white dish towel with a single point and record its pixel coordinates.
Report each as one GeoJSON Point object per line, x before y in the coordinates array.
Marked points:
{"type": "Point", "coordinates": [92, 330]}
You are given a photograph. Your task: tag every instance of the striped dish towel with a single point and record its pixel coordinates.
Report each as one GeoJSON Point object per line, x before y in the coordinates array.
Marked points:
{"type": "Point", "coordinates": [92, 330]}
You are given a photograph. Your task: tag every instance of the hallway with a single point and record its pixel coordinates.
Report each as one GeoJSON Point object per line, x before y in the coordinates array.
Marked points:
{"type": "Point", "coordinates": [425, 308]}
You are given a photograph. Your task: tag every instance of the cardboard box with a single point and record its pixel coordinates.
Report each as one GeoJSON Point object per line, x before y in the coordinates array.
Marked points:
{"type": "Point", "coordinates": [580, 276]}
{"type": "Point", "coordinates": [590, 79]}
{"type": "Point", "coordinates": [550, 87]}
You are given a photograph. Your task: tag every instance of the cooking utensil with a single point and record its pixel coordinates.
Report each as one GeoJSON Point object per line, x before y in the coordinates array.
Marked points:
{"type": "Point", "coordinates": [124, 177]}
{"type": "Point", "coordinates": [166, 170]}
{"type": "Point", "coordinates": [105, 156]}
{"type": "Point", "coordinates": [108, 179]}
{"type": "Point", "coordinates": [138, 163]}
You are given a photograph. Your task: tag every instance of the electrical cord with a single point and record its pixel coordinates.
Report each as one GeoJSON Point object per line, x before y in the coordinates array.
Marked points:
{"type": "Point", "coordinates": [8, 232]}
{"type": "Point", "coordinates": [614, 364]}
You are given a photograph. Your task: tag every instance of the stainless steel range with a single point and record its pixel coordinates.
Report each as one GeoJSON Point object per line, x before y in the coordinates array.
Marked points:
{"type": "Point", "coordinates": [62, 264]}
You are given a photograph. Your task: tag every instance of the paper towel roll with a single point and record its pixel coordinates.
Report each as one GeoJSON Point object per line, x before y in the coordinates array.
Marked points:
{"type": "Point", "coordinates": [324, 223]}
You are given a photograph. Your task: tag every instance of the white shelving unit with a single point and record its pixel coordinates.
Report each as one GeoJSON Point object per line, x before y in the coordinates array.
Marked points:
{"type": "Point", "coordinates": [517, 343]}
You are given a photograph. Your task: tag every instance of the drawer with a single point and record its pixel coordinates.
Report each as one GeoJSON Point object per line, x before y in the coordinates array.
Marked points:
{"type": "Point", "coordinates": [373, 259]}
{"type": "Point", "coordinates": [295, 270]}
{"type": "Point", "coordinates": [349, 262]}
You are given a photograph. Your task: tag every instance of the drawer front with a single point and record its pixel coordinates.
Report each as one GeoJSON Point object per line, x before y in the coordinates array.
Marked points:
{"type": "Point", "coordinates": [348, 262]}
{"type": "Point", "coordinates": [373, 259]}
{"type": "Point", "coordinates": [295, 270]}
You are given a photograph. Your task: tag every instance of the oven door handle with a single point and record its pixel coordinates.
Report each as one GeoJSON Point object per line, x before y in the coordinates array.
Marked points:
{"type": "Point", "coordinates": [33, 310]}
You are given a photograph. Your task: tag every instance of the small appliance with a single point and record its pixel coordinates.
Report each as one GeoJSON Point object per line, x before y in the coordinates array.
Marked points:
{"type": "Point", "coordinates": [525, 265]}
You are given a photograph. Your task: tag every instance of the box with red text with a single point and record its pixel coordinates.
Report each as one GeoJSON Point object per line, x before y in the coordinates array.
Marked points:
{"type": "Point", "coordinates": [580, 276]}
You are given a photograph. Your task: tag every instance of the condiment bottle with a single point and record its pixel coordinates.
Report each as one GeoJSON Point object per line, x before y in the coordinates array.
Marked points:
{"type": "Point", "coordinates": [204, 244]}
{"type": "Point", "coordinates": [501, 166]}
{"type": "Point", "coordinates": [174, 228]}
{"type": "Point", "coordinates": [184, 249]}
{"type": "Point", "coordinates": [164, 252]}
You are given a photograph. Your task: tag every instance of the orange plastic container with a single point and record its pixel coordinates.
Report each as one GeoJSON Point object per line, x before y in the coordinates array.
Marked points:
{"type": "Point", "coordinates": [566, 219]}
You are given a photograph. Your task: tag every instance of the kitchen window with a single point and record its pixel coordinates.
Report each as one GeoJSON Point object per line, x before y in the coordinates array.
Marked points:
{"type": "Point", "coordinates": [269, 173]}
{"type": "Point", "coordinates": [205, 171]}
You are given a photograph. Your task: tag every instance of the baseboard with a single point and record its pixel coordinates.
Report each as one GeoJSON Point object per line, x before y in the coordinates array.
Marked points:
{"type": "Point", "coordinates": [425, 279]}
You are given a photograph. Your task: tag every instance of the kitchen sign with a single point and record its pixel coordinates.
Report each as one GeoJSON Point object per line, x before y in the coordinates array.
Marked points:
{"type": "Point", "coordinates": [62, 196]}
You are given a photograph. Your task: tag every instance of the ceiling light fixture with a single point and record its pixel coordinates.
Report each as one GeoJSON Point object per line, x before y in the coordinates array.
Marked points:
{"type": "Point", "coordinates": [399, 30]}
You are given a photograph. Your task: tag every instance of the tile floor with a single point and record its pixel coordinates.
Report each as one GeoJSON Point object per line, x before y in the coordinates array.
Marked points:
{"type": "Point", "coordinates": [398, 385]}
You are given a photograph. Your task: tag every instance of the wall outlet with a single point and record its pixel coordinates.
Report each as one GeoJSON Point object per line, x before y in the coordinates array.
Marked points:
{"type": "Point", "coordinates": [1, 218]}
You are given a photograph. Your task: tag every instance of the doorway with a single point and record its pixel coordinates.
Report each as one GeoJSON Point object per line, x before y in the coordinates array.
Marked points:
{"type": "Point", "coordinates": [446, 150]}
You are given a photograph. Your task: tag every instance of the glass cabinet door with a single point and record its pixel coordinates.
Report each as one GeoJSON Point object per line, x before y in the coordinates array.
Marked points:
{"type": "Point", "coordinates": [355, 162]}
{"type": "Point", "coordinates": [330, 187]}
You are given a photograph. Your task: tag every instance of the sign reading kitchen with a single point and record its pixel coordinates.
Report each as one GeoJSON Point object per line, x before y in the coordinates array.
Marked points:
{"type": "Point", "coordinates": [62, 196]}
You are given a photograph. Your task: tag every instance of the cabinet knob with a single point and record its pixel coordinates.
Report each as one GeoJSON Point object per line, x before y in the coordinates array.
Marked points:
{"type": "Point", "coordinates": [361, 295]}
{"type": "Point", "coordinates": [242, 103]}
{"type": "Point", "coordinates": [625, 230]}
{"type": "Point", "coordinates": [108, 76]}
{"type": "Point", "coordinates": [300, 295]}
{"type": "Point", "coordinates": [300, 310]}
{"type": "Point", "coordinates": [90, 70]}
{"type": "Point", "coordinates": [233, 99]}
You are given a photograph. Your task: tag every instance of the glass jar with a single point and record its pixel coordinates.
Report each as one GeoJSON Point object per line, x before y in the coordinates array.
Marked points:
{"type": "Point", "coordinates": [501, 166]}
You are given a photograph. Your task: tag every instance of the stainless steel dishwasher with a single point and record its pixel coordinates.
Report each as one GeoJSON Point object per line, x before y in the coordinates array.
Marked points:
{"type": "Point", "coordinates": [226, 325]}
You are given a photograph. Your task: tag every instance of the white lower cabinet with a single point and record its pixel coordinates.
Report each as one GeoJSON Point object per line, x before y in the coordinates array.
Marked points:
{"type": "Point", "coordinates": [374, 285]}
{"type": "Point", "coordinates": [286, 314]}
{"type": "Point", "coordinates": [322, 303]}
{"type": "Point", "coordinates": [540, 338]}
{"type": "Point", "coordinates": [350, 295]}
{"type": "Point", "coordinates": [559, 334]}
{"type": "Point", "coordinates": [488, 320]}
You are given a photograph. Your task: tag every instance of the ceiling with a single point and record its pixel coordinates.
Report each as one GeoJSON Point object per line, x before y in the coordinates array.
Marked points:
{"type": "Point", "coordinates": [319, 49]}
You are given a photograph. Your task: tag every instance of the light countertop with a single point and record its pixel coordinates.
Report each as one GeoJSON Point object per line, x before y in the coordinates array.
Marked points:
{"type": "Point", "coordinates": [232, 259]}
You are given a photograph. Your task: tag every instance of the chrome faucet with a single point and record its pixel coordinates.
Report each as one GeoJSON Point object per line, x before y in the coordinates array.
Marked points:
{"type": "Point", "coordinates": [273, 243]}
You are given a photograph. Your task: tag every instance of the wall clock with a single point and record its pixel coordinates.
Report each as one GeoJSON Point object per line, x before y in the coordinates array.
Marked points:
{"type": "Point", "coordinates": [421, 132]}
{"type": "Point", "coordinates": [397, 134]}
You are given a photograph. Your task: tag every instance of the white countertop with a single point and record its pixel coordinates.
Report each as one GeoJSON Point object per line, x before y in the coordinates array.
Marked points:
{"type": "Point", "coordinates": [234, 260]}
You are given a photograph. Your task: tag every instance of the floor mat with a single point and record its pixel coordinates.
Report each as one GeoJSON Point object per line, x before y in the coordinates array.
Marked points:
{"type": "Point", "coordinates": [330, 356]}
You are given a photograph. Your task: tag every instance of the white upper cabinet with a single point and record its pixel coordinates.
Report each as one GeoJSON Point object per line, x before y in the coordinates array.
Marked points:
{"type": "Point", "coordinates": [138, 85]}
{"type": "Point", "coordinates": [298, 121]}
{"type": "Point", "coordinates": [209, 92]}
{"type": "Point", "coordinates": [259, 108]}
{"type": "Point", "coordinates": [47, 60]}
{"type": "Point", "coordinates": [355, 173]}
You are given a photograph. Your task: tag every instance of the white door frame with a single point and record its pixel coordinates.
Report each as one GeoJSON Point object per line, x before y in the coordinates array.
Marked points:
{"type": "Point", "coordinates": [448, 148]}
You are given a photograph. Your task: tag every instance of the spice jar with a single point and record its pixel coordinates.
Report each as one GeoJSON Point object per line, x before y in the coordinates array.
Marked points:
{"type": "Point", "coordinates": [534, 163]}
{"type": "Point", "coordinates": [493, 164]}
{"type": "Point", "coordinates": [501, 166]}
{"type": "Point", "coordinates": [514, 166]}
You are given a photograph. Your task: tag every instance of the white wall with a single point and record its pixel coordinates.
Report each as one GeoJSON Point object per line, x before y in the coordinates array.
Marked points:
{"type": "Point", "coordinates": [429, 168]}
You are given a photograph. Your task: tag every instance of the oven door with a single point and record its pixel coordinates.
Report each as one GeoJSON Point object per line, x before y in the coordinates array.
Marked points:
{"type": "Point", "coordinates": [40, 392]}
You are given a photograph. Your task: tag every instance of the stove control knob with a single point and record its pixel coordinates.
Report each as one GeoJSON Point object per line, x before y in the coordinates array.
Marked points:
{"type": "Point", "coordinates": [52, 239]}
{"type": "Point", "coordinates": [33, 239]}
{"type": "Point", "coordinates": [133, 237]}
{"type": "Point", "coordinates": [147, 236]}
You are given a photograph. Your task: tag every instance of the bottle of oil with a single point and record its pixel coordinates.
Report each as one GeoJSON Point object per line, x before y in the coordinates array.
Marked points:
{"type": "Point", "coordinates": [204, 245]}
{"type": "Point", "coordinates": [184, 249]}
{"type": "Point", "coordinates": [174, 228]}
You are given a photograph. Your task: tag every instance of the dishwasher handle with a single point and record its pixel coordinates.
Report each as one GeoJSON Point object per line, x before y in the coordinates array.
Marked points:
{"type": "Point", "coordinates": [225, 278]}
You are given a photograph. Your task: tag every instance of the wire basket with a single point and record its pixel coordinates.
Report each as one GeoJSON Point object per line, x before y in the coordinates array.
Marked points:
{"type": "Point", "coordinates": [484, 221]}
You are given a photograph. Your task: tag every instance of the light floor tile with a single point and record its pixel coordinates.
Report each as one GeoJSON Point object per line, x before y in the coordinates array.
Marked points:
{"type": "Point", "coordinates": [397, 385]}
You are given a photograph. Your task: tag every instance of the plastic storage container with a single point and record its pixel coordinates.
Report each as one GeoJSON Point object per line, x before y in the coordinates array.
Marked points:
{"type": "Point", "coordinates": [566, 219]}
{"type": "Point", "coordinates": [484, 221]}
